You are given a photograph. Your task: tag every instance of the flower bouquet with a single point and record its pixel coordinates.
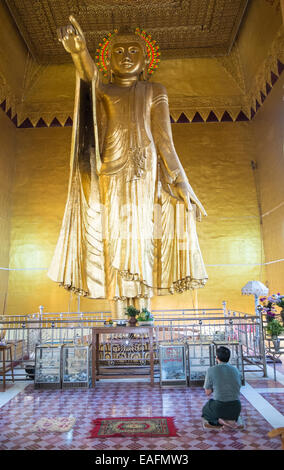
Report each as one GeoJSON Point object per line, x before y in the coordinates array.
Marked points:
{"type": "Point", "coordinates": [274, 328]}
{"type": "Point", "coordinates": [145, 318]}
{"type": "Point", "coordinates": [267, 307]}
{"type": "Point", "coordinates": [279, 301]}
{"type": "Point", "coordinates": [132, 313]}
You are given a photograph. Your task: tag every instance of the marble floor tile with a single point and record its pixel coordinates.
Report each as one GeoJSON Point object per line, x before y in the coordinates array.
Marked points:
{"type": "Point", "coordinates": [21, 412]}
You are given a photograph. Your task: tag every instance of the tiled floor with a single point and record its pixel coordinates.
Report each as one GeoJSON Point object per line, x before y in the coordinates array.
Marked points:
{"type": "Point", "coordinates": [109, 399]}
{"type": "Point", "coordinates": [21, 406]}
{"type": "Point", "coordinates": [276, 400]}
{"type": "Point", "coordinates": [265, 383]}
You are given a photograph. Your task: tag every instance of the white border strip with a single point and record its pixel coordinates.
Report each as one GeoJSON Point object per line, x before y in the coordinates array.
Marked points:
{"type": "Point", "coordinates": [275, 261]}
{"type": "Point", "coordinates": [11, 393]}
{"type": "Point", "coordinates": [23, 269]}
{"type": "Point", "coordinates": [269, 413]}
{"type": "Point", "coordinates": [248, 264]}
{"type": "Point", "coordinates": [272, 210]}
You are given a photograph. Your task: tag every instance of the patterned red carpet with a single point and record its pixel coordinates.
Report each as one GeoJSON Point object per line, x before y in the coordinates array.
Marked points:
{"type": "Point", "coordinates": [158, 426]}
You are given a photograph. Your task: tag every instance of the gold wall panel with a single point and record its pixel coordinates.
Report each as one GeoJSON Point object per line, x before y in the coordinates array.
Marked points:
{"type": "Point", "coordinates": [39, 194]}
{"type": "Point", "coordinates": [4, 278]}
{"type": "Point", "coordinates": [275, 276]}
{"type": "Point", "coordinates": [217, 161]}
{"type": "Point", "coordinates": [269, 133]}
{"type": "Point", "coordinates": [224, 283]}
{"type": "Point", "coordinates": [216, 158]}
{"type": "Point", "coordinates": [192, 84]}
{"type": "Point", "coordinates": [269, 136]}
{"type": "Point", "coordinates": [7, 159]}
{"type": "Point", "coordinates": [263, 21]}
{"type": "Point", "coordinates": [273, 235]}
{"type": "Point", "coordinates": [181, 77]}
{"type": "Point", "coordinates": [196, 77]}
{"type": "Point", "coordinates": [13, 52]}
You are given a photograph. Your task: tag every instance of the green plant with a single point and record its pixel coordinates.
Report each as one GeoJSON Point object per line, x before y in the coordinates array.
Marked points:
{"type": "Point", "coordinates": [131, 311]}
{"type": "Point", "coordinates": [274, 328]}
{"type": "Point", "coordinates": [145, 315]}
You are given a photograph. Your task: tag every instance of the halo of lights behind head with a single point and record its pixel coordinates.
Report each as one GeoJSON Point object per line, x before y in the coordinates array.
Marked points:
{"type": "Point", "coordinates": [152, 49]}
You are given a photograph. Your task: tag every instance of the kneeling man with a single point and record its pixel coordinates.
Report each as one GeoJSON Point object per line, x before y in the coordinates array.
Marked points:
{"type": "Point", "coordinates": [224, 381]}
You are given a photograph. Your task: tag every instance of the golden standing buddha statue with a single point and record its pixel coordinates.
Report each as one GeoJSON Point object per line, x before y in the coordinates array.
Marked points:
{"type": "Point", "coordinates": [129, 227]}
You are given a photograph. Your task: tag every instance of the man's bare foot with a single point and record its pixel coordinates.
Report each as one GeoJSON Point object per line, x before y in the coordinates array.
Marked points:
{"type": "Point", "coordinates": [206, 425]}
{"type": "Point", "coordinates": [230, 424]}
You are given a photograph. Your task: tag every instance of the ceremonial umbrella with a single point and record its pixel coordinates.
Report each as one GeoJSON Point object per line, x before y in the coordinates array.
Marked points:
{"type": "Point", "coordinates": [255, 288]}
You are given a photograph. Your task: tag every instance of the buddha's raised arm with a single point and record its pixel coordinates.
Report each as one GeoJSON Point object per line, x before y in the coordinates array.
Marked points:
{"type": "Point", "coordinates": [162, 134]}
{"type": "Point", "coordinates": [74, 42]}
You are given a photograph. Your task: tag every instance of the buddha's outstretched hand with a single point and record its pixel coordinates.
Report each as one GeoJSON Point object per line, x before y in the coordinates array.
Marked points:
{"type": "Point", "coordinates": [183, 194]}
{"type": "Point", "coordinates": [72, 37]}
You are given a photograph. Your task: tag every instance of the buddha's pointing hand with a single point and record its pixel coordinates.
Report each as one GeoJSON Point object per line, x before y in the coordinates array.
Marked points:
{"type": "Point", "coordinates": [72, 37]}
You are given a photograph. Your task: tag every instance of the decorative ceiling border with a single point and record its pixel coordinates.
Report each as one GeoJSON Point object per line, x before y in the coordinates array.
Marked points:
{"type": "Point", "coordinates": [8, 98]}
{"type": "Point", "coordinates": [188, 109]}
{"type": "Point", "coordinates": [183, 28]}
{"type": "Point", "coordinates": [268, 73]}
{"type": "Point", "coordinates": [218, 114]}
{"type": "Point", "coordinates": [182, 110]}
{"type": "Point", "coordinates": [275, 4]}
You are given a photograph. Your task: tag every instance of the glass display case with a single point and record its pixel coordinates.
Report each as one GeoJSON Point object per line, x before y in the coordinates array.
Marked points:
{"type": "Point", "coordinates": [198, 360]}
{"type": "Point", "coordinates": [48, 366]}
{"type": "Point", "coordinates": [76, 366]}
{"type": "Point", "coordinates": [236, 358]}
{"type": "Point", "coordinates": [173, 369]}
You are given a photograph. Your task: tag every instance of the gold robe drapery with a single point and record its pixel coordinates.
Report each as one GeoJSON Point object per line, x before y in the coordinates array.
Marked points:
{"type": "Point", "coordinates": [124, 232]}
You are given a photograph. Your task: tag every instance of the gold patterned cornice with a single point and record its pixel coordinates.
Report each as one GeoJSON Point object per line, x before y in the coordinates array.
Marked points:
{"type": "Point", "coordinates": [183, 28]}
{"type": "Point", "coordinates": [205, 105]}
{"type": "Point", "coordinates": [191, 108]}
{"type": "Point", "coordinates": [249, 101]}
{"type": "Point", "coordinates": [32, 74]}
{"type": "Point", "coordinates": [8, 100]}
{"type": "Point", "coordinates": [267, 72]}
{"type": "Point", "coordinates": [183, 108]}
{"type": "Point", "coordinates": [275, 4]}
{"type": "Point", "coordinates": [233, 67]}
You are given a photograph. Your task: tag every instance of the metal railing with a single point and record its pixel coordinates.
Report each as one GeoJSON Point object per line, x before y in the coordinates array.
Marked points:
{"type": "Point", "coordinates": [194, 325]}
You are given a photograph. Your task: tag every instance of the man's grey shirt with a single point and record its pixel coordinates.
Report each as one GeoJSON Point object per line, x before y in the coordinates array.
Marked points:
{"type": "Point", "coordinates": [225, 381]}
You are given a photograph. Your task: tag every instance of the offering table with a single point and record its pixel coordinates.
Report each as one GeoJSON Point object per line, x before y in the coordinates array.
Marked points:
{"type": "Point", "coordinates": [96, 332]}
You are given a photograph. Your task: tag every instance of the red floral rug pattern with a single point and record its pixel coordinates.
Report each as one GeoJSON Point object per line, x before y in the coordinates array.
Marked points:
{"type": "Point", "coordinates": [134, 427]}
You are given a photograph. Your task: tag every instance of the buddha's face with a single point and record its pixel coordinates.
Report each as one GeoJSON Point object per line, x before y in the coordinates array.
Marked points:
{"type": "Point", "coordinates": [127, 59]}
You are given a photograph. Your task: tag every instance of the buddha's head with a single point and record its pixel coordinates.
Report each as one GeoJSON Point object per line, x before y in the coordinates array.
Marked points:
{"type": "Point", "coordinates": [127, 56]}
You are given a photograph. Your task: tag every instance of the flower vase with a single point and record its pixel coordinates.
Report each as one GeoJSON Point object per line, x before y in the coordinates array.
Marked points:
{"type": "Point", "coordinates": [132, 321]}
{"type": "Point", "coordinates": [282, 315]}
{"type": "Point", "coordinates": [276, 343]}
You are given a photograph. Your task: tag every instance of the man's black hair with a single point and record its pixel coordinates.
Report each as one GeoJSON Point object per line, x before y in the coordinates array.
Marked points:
{"type": "Point", "coordinates": [223, 354]}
